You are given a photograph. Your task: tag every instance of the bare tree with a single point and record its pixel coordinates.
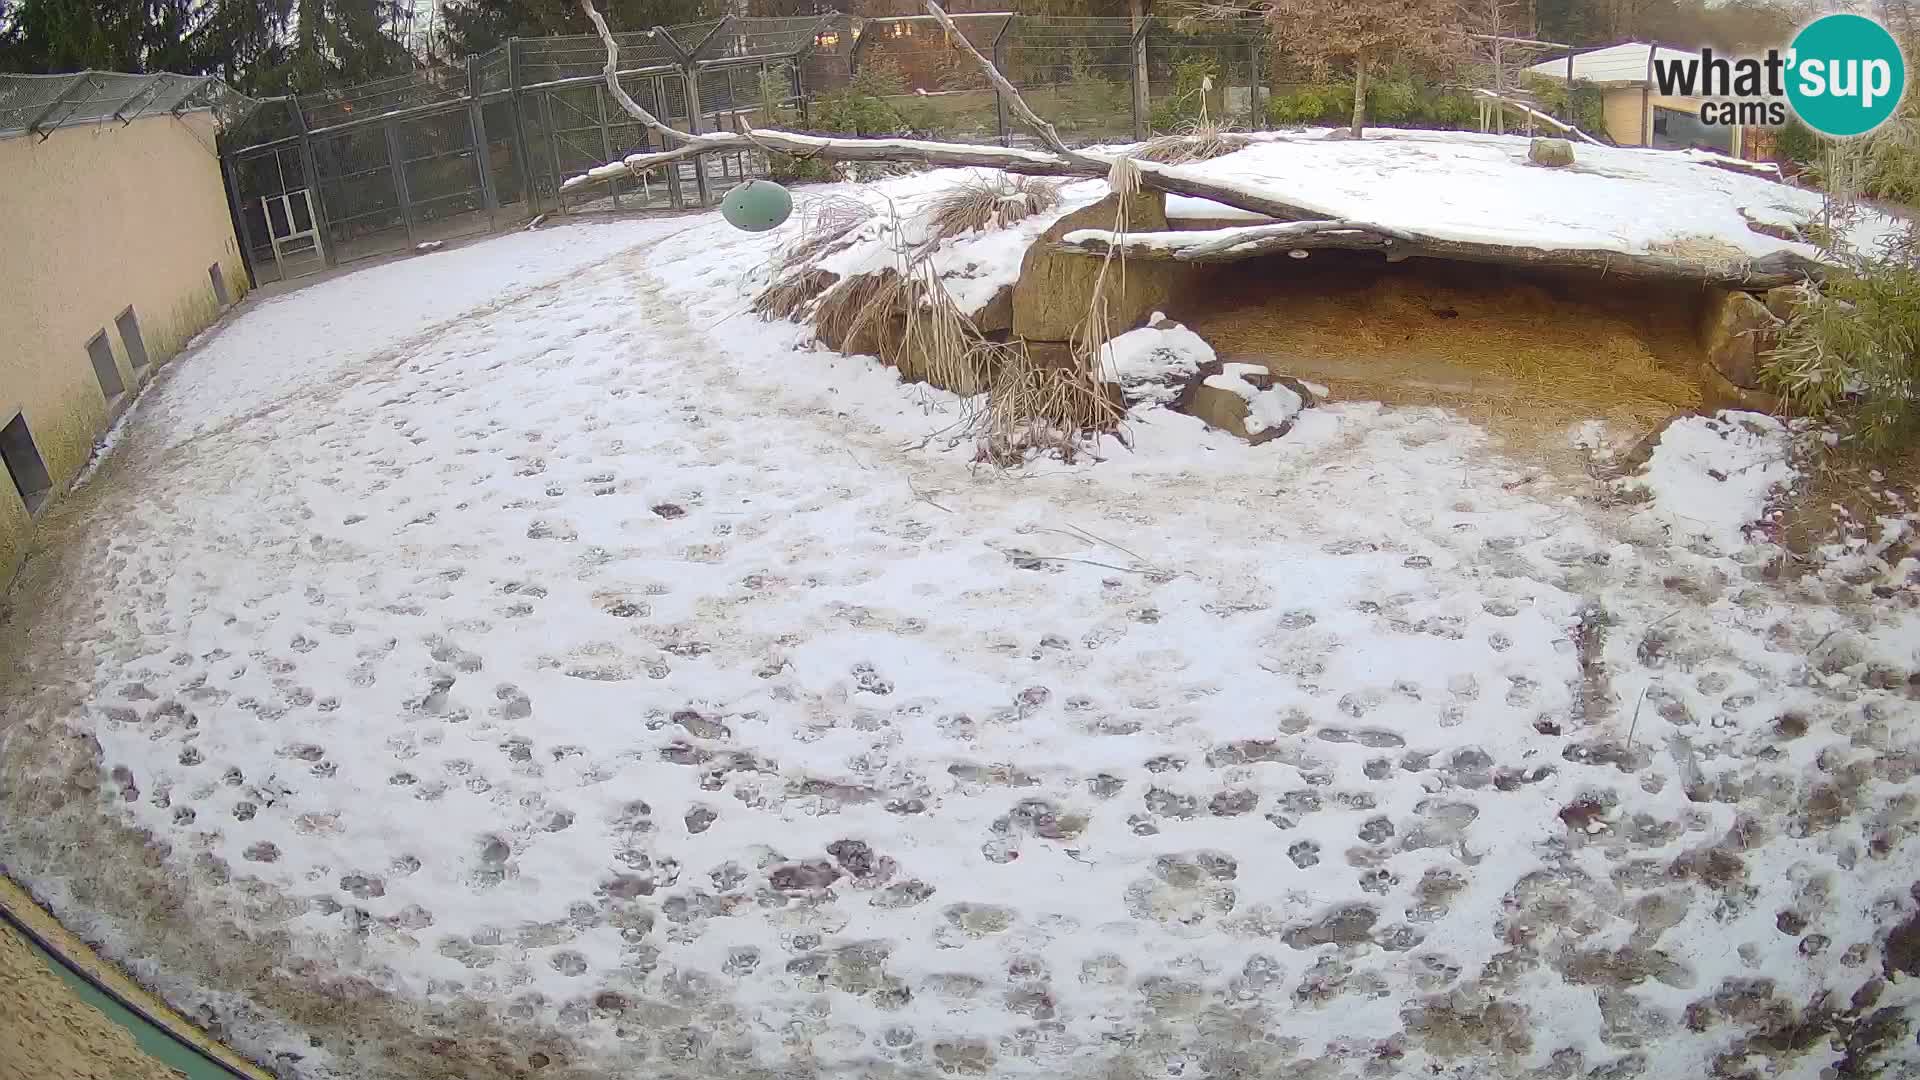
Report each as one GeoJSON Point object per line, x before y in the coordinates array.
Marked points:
{"type": "Point", "coordinates": [1367, 36]}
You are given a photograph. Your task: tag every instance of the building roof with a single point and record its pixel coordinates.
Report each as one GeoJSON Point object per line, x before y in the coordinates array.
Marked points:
{"type": "Point", "coordinates": [1625, 63]}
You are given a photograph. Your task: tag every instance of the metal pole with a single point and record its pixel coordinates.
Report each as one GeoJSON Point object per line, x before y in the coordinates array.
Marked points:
{"type": "Point", "coordinates": [1142, 109]}
{"type": "Point", "coordinates": [523, 161]}
{"type": "Point", "coordinates": [1573, 114]}
{"type": "Point", "coordinates": [553, 147]}
{"type": "Point", "coordinates": [398, 166]}
{"type": "Point", "coordinates": [311, 177]}
{"type": "Point", "coordinates": [606, 141]}
{"type": "Point", "coordinates": [675, 197]}
{"type": "Point", "coordinates": [1255, 114]}
{"type": "Point", "coordinates": [482, 149]}
{"type": "Point", "coordinates": [692, 77]}
{"type": "Point", "coordinates": [59, 99]}
{"type": "Point", "coordinates": [999, 99]}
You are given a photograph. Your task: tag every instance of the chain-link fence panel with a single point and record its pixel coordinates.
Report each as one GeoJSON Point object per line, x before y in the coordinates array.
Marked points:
{"type": "Point", "coordinates": [42, 103]}
{"type": "Point", "coordinates": [1213, 74]}
{"type": "Point", "coordinates": [331, 108]}
{"type": "Point", "coordinates": [543, 61]}
{"type": "Point", "coordinates": [359, 186]}
{"type": "Point", "coordinates": [1077, 74]}
{"type": "Point", "coordinates": [441, 175]}
{"type": "Point", "coordinates": [925, 82]}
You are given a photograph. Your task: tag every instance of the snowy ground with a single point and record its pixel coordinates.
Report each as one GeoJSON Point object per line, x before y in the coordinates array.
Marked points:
{"type": "Point", "coordinates": [589, 678]}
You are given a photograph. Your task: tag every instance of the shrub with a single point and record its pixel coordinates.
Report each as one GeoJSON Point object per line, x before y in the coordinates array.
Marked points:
{"type": "Point", "coordinates": [1392, 101]}
{"type": "Point", "coordinates": [1187, 101]}
{"type": "Point", "coordinates": [865, 106]}
{"type": "Point", "coordinates": [1588, 103]}
{"type": "Point", "coordinates": [1852, 354]}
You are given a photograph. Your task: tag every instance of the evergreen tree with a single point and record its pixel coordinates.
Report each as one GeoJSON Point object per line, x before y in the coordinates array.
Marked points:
{"type": "Point", "coordinates": [476, 26]}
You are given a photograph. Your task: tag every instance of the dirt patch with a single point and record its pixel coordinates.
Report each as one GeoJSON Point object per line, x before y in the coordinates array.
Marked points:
{"type": "Point", "coordinates": [1842, 496]}
{"type": "Point", "coordinates": [1526, 353]}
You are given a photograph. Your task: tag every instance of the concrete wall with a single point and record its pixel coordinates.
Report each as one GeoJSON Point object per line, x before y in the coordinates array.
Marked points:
{"type": "Point", "coordinates": [95, 218]}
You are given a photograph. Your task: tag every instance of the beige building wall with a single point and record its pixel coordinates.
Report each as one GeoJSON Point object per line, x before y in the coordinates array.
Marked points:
{"type": "Point", "coordinates": [93, 219]}
{"type": "Point", "coordinates": [1628, 113]}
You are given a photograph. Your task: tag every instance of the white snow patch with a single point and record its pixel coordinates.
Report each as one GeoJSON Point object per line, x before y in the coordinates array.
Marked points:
{"type": "Point", "coordinates": [1710, 476]}
{"type": "Point", "coordinates": [1146, 361]}
{"type": "Point", "coordinates": [1268, 408]}
{"type": "Point", "coordinates": [1472, 187]}
{"type": "Point", "coordinates": [351, 319]}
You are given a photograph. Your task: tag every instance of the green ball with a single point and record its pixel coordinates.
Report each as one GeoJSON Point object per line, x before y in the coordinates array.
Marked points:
{"type": "Point", "coordinates": [756, 206]}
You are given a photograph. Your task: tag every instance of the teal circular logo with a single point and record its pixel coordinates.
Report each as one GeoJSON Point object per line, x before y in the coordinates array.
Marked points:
{"type": "Point", "coordinates": [1847, 75]}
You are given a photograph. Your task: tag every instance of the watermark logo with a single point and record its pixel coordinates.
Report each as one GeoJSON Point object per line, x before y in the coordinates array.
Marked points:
{"type": "Point", "coordinates": [1848, 75]}
{"type": "Point", "coordinates": [1842, 76]}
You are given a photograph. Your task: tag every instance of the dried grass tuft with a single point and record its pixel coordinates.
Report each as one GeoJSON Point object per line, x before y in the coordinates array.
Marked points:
{"type": "Point", "coordinates": [992, 201]}
{"type": "Point", "coordinates": [939, 343]}
{"type": "Point", "coordinates": [1707, 250]}
{"type": "Point", "coordinates": [792, 295]}
{"type": "Point", "coordinates": [1198, 140]}
{"type": "Point", "coordinates": [1038, 408]}
{"type": "Point", "coordinates": [849, 315]}
{"type": "Point", "coordinates": [824, 225]}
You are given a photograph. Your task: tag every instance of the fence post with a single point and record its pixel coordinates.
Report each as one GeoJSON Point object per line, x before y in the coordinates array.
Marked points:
{"type": "Point", "coordinates": [312, 177]}
{"type": "Point", "coordinates": [553, 147]}
{"type": "Point", "coordinates": [1142, 107]}
{"type": "Point", "coordinates": [606, 140]}
{"type": "Point", "coordinates": [522, 159]}
{"type": "Point", "coordinates": [398, 166]}
{"type": "Point", "coordinates": [999, 99]}
{"type": "Point", "coordinates": [482, 149]}
{"type": "Point", "coordinates": [692, 76]}
{"type": "Point", "coordinates": [1255, 113]}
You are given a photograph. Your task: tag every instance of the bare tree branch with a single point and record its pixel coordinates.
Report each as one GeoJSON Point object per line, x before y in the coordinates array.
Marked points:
{"type": "Point", "coordinates": [619, 92]}
{"type": "Point", "coordinates": [1048, 136]}
{"type": "Point", "coordinates": [1528, 110]}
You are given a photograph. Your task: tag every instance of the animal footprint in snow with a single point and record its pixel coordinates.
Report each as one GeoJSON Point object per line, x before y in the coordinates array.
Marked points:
{"type": "Point", "coordinates": [868, 681]}
{"type": "Point", "coordinates": [447, 652]}
{"type": "Point", "coordinates": [1304, 853]}
{"type": "Point", "coordinates": [514, 704]}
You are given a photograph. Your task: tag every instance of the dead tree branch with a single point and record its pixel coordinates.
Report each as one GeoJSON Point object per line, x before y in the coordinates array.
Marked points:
{"type": "Point", "coordinates": [1015, 103]}
{"type": "Point", "coordinates": [1536, 114]}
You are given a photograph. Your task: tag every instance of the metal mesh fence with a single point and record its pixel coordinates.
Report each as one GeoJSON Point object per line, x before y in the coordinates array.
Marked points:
{"type": "Point", "coordinates": [491, 141]}
{"type": "Point", "coordinates": [42, 103]}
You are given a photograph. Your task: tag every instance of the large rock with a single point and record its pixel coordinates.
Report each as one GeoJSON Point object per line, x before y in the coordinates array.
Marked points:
{"type": "Point", "coordinates": [1553, 153]}
{"type": "Point", "coordinates": [1717, 393]}
{"type": "Point", "coordinates": [997, 316]}
{"type": "Point", "coordinates": [1222, 395]}
{"type": "Point", "coordinates": [1055, 289]}
{"type": "Point", "coordinates": [1783, 301]}
{"type": "Point", "coordinates": [1735, 330]}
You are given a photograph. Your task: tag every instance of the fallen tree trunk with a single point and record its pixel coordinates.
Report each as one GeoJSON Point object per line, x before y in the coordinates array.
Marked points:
{"type": "Point", "coordinates": [1253, 241]}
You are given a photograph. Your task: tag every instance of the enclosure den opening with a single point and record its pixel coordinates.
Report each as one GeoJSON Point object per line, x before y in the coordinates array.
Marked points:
{"type": "Point", "coordinates": [219, 285]}
{"type": "Point", "coordinates": [1491, 341]}
{"type": "Point", "coordinates": [24, 466]}
{"type": "Point", "coordinates": [104, 367]}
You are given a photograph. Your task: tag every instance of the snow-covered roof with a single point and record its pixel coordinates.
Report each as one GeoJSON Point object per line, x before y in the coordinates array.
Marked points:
{"type": "Point", "coordinates": [1615, 64]}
